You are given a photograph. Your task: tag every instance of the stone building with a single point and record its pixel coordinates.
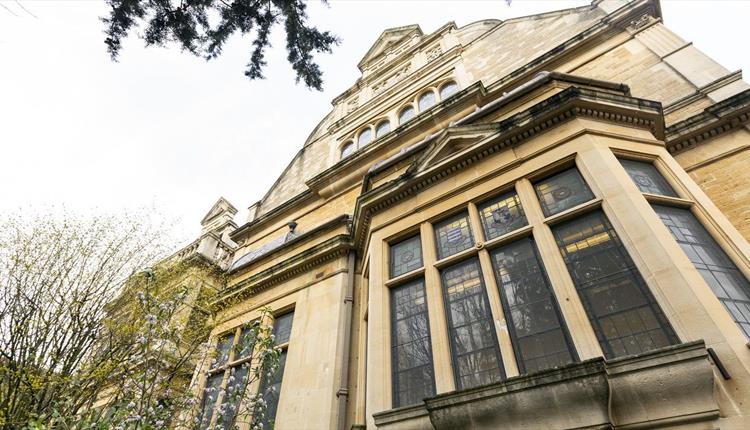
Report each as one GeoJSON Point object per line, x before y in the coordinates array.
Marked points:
{"type": "Point", "coordinates": [533, 223]}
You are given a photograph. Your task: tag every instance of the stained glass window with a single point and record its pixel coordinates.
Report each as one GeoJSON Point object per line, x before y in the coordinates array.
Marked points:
{"type": "Point", "coordinates": [406, 114]}
{"type": "Point", "coordinates": [236, 387]}
{"type": "Point", "coordinates": [453, 235]}
{"type": "Point", "coordinates": [623, 312]}
{"type": "Point", "coordinates": [347, 149]}
{"type": "Point", "coordinates": [406, 256]}
{"type": "Point", "coordinates": [501, 215]}
{"type": "Point", "coordinates": [536, 326]}
{"type": "Point", "coordinates": [474, 346]}
{"type": "Point", "coordinates": [365, 137]}
{"type": "Point", "coordinates": [411, 351]}
{"type": "Point", "coordinates": [647, 178]}
{"type": "Point", "coordinates": [426, 101]}
{"type": "Point", "coordinates": [382, 128]}
{"type": "Point", "coordinates": [448, 89]}
{"type": "Point", "coordinates": [282, 328]}
{"type": "Point", "coordinates": [718, 270]}
{"type": "Point", "coordinates": [562, 191]}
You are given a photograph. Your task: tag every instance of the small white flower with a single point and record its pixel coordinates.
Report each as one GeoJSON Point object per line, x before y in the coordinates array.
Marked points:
{"type": "Point", "coordinates": [131, 405]}
{"type": "Point", "coordinates": [151, 319]}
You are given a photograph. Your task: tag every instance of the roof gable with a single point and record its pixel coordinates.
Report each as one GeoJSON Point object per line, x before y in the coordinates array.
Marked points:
{"type": "Point", "coordinates": [388, 39]}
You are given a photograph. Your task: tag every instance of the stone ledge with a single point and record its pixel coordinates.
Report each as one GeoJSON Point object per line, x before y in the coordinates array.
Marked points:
{"type": "Point", "coordinates": [671, 386]}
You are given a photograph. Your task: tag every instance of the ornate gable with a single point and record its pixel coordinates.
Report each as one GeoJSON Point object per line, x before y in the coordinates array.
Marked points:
{"type": "Point", "coordinates": [388, 41]}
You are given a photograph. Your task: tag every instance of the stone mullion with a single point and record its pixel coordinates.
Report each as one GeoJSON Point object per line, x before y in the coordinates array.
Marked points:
{"type": "Point", "coordinates": [496, 307]}
{"type": "Point", "coordinates": [441, 352]}
{"type": "Point", "coordinates": [581, 333]}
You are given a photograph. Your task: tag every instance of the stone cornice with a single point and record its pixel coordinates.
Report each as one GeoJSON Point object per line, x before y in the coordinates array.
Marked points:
{"type": "Point", "coordinates": [561, 107]}
{"type": "Point", "coordinates": [299, 263]}
{"type": "Point", "coordinates": [719, 118]}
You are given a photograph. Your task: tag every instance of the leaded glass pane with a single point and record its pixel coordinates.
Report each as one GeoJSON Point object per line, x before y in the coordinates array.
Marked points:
{"type": "Point", "coordinates": [453, 235]}
{"type": "Point", "coordinates": [474, 346]}
{"type": "Point", "coordinates": [718, 270]}
{"type": "Point", "coordinates": [426, 101]}
{"type": "Point", "coordinates": [647, 178]}
{"type": "Point", "coordinates": [236, 387]}
{"type": "Point", "coordinates": [501, 215]}
{"type": "Point", "coordinates": [210, 395]}
{"type": "Point", "coordinates": [535, 323]}
{"type": "Point", "coordinates": [365, 137]}
{"type": "Point", "coordinates": [448, 90]}
{"type": "Point", "coordinates": [347, 149]}
{"type": "Point", "coordinates": [383, 128]}
{"type": "Point", "coordinates": [562, 191]}
{"type": "Point", "coordinates": [282, 328]}
{"type": "Point", "coordinates": [411, 351]}
{"type": "Point", "coordinates": [270, 389]}
{"type": "Point", "coordinates": [623, 312]}
{"type": "Point", "coordinates": [223, 348]}
{"type": "Point", "coordinates": [245, 344]}
{"type": "Point", "coordinates": [406, 114]}
{"type": "Point", "coordinates": [406, 256]}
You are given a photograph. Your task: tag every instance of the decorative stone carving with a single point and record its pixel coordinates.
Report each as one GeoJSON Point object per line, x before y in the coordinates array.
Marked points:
{"type": "Point", "coordinates": [433, 53]}
{"type": "Point", "coordinates": [352, 105]}
{"type": "Point", "coordinates": [391, 80]}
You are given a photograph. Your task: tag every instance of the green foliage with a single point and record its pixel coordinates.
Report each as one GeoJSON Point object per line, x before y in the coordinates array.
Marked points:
{"type": "Point", "coordinates": [202, 28]}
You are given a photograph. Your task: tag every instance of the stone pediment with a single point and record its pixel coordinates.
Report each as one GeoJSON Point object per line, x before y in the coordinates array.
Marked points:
{"type": "Point", "coordinates": [452, 142]}
{"type": "Point", "coordinates": [388, 40]}
{"type": "Point", "coordinates": [222, 206]}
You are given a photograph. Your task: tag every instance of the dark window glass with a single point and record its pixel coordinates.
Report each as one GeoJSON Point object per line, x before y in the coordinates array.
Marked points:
{"type": "Point", "coordinates": [426, 100]}
{"type": "Point", "coordinates": [501, 215]}
{"type": "Point", "coordinates": [383, 128]}
{"type": "Point", "coordinates": [406, 114]}
{"type": "Point", "coordinates": [623, 312]}
{"type": "Point", "coordinates": [719, 271]}
{"type": "Point", "coordinates": [244, 347]}
{"type": "Point", "coordinates": [282, 328]}
{"type": "Point", "coordinates": [270, 387]}
{"type": "Point", "coordinates": [453, 235]}
{"type": "Point", "coordinates": [411, 352]}
{"type": "Point", "coordinates": [562, 191]}
{"type": "Point", "coordinates": [448, 90]}
{"type": "Point", "coordinates": [365, 137]}
{"type": "Point", "coordinates": [647, 178]}
{"type": "Point", "coordinates": [535, 322]}
{"type": "Point", "coordinates": [406, 256]}
{"type": "Point", "coordinates": [236, 387]}
{"type": "Point", "coordinates": [347, 149]}
{"type": "Point", "coordinates": [223, 347]}
{"type": "Point", "coordinates": [474, 346]}
{"type": "Point", "coordinates": [210, 394]}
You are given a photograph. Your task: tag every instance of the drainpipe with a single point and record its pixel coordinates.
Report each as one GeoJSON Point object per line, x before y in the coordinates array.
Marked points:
{"type": "Point", "coordinates": [343, 392]}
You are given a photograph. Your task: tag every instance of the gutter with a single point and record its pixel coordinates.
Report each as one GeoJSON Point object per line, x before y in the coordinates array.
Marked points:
{"type": "Point", "coordinates": [345, 340]}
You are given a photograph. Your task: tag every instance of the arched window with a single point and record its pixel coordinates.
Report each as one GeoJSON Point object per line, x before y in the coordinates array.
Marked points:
{"type": "Point", "coordinates": [347, 149]}
{"type": "Point", "coordinates": [426, 100]}
{"type": "Point", "coordinates": [382, 128]}
{"type": "Point", "coordinates": [406, 114]}
{"type": "Point", "coordinates": [448, 89]}
{"type": "Point", "coordinates": [365, 137]}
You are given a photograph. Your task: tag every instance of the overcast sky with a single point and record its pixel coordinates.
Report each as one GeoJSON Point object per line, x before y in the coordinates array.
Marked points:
{"type": "Point", "coordinates": [167, 130]}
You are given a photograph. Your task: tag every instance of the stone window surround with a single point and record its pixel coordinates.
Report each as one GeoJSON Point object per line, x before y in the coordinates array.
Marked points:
{"type": "Point", "coordinates": [540, 226]}
{"type": "Point", "coordinates": [682, 200]}
{"type": "Point", "coordinates": [481, 250]}
{"type": "Point", "coordinates": [393, 116]}
{"type": "Point", "coordinates": [205, 373]}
